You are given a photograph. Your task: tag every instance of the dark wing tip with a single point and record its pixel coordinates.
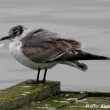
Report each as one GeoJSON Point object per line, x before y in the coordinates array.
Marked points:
{"type": "Point", "coordinates": [83, 67]}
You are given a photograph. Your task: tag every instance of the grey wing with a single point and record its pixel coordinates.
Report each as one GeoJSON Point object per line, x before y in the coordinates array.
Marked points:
{"type": "Point", "coordinates": [38, 38]}
{"type": "Point", "coordinates": [44, 46]}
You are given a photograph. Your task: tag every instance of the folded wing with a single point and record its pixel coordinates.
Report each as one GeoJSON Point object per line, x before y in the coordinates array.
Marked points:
{"type": "Point", "coordinates": [42, 46]}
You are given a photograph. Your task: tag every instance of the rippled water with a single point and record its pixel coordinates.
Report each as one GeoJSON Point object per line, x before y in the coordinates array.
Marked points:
{"type": "Point", "coordinates": [85, 20]}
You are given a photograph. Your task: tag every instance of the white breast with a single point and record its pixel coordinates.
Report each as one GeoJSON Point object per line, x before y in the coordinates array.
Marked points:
{"type": "Point", "coordinates": [15, 49]}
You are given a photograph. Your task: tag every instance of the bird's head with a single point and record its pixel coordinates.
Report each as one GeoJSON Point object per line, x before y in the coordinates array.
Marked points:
{"type": "Point", "coordinates": [14, 32]}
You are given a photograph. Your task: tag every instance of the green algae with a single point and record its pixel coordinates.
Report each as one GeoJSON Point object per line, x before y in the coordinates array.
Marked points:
{"type": "Point", "coordinates": [17, 91]}
{"type": "Point", "coordinates": [54, 102]}
{"type": "Point", "coordinates": [70, 101]}
{"type": "Point", "coordinates": [34, 97]}
{"type": "Point", "coordinates": [23, 93]}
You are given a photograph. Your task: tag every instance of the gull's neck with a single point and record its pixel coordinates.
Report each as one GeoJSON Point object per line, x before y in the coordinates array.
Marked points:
{"type": "Point", "coordinates": [25, 32]}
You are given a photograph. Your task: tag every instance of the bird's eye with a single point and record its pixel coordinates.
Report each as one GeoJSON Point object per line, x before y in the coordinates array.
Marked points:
{"type": "Point", "coordinates": [16, 32]}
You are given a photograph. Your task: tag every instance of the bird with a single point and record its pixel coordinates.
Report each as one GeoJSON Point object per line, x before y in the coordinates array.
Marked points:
{"type": "Point", "coordinates": [41, 49]}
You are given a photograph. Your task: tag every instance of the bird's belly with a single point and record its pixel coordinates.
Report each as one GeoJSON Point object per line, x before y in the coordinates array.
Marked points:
{"type": "Point", "coordinates": [20, 57]}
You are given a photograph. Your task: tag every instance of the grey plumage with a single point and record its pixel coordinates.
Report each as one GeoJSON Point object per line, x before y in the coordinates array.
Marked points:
{"type": "Point", "coordinates": [42, 49]}
{"type": "Point", "coordinates": [43, 46]}
{"type": "Point", "coordinates": [38, 38]}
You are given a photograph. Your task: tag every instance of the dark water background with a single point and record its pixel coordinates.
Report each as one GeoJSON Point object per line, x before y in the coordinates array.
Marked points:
{"type": "Point", "coordinates": [84, 20]}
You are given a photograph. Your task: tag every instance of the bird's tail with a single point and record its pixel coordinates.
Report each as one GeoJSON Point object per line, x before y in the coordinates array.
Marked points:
{"type": "Point", "coordinates": [81, 55]}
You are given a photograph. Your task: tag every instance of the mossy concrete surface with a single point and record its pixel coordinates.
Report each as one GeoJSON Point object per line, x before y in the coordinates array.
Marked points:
{"type": "Point", "coordinates": [72, 101]}
{"type": "Point", "coordinates": [24, 93]}
{"type": "Point", "coordinates": [25, 96]}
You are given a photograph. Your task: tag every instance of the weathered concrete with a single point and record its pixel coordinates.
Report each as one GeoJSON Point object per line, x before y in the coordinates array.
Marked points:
{"type": "Point", "coordinates": [49, 97]}
{"type": "Point", "coordinates": [24, 93]}
{"type": "Point", "coordinates": [72, 101]}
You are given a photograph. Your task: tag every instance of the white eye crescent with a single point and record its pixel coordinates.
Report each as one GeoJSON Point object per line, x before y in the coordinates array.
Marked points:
{"type": "Point", "coordinates": [17, 31]}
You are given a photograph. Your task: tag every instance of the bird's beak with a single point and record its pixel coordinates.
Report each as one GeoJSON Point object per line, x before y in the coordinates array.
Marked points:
{"type": "Point", "coordinates": [5, 38]}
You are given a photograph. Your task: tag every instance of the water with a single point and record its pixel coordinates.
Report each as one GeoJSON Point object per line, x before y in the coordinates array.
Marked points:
{"type": "Point", "coordinates": [84, 20]}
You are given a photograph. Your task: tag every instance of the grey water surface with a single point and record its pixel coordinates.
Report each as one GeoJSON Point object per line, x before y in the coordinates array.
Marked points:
{"type": "Point", "coordinates": [85, 20]}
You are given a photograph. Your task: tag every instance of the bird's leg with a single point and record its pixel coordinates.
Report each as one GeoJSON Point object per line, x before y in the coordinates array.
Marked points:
{"type": "Point", "coordinates": [44, 78]}
{"type": "Point", "coordinates": [37, 79]}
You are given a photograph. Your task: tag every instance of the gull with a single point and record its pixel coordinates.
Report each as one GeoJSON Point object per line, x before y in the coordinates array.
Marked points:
{"type": "Point", "coordinates": [40, 49]}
